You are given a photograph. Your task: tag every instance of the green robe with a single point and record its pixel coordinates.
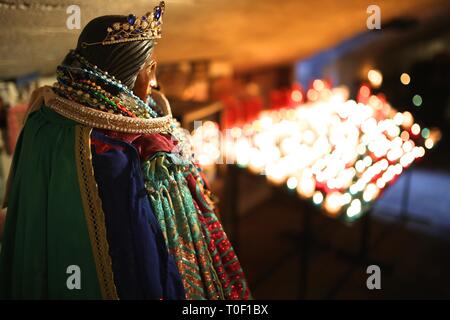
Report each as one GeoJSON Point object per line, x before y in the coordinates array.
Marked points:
{"type": "Point", "coordinates": [46, 230]}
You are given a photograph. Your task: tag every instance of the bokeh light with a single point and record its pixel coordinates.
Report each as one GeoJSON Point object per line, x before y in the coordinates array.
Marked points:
{"type": "Point", "coordinates": [405, 78]}
{"type": "Point", "coordinates": [375, 77]}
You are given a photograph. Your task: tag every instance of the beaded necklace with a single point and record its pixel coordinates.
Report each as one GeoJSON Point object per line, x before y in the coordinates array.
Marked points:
{"type": "Point", "coordinates": [86, 84]}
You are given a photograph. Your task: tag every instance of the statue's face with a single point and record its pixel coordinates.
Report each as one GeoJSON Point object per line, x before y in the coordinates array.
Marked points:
{"type": "Point", "coordinates": [146, 79]}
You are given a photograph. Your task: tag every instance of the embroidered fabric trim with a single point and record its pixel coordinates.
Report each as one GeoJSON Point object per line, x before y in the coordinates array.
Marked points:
{"type": "Point", "coordinates": [93, 211]}
{"type": "Point", "coordinates": [104, 120]}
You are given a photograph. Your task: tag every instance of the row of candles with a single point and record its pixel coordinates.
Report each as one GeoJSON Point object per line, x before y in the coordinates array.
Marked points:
{"type": "Point", "coordinates": [337, 152]}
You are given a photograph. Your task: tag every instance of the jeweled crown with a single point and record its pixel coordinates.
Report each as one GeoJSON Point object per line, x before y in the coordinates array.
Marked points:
{"type": "Point", "coordinates": [147, 27]}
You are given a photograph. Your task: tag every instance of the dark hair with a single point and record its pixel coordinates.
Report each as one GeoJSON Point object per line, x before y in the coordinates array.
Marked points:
{"type": "Point", "coordinates": [121, 60]}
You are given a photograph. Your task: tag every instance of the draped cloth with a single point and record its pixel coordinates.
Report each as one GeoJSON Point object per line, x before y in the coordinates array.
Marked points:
{"type": "Point", "coordinates": [205, 258]}
{"type": "Point", "coordinates": [133, 216]}
{"type": "Point", "coordinates": [142, 265]}
{"type": "Point", "coordinates": [45, 229]}
{"type": "Point", "coordinates": [180, 200]}
{"type": "Point", "coordinates": [62, 214]}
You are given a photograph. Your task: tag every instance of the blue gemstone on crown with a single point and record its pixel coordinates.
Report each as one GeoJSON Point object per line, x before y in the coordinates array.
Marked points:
{"type": "Point", "coordinates": [157, 13]}
{"type": "Point", "coordinates": [131, 19]}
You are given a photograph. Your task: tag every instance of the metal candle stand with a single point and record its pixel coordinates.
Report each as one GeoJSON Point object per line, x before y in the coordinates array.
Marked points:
{"type": "Point", "coordinates": [306, 239]}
